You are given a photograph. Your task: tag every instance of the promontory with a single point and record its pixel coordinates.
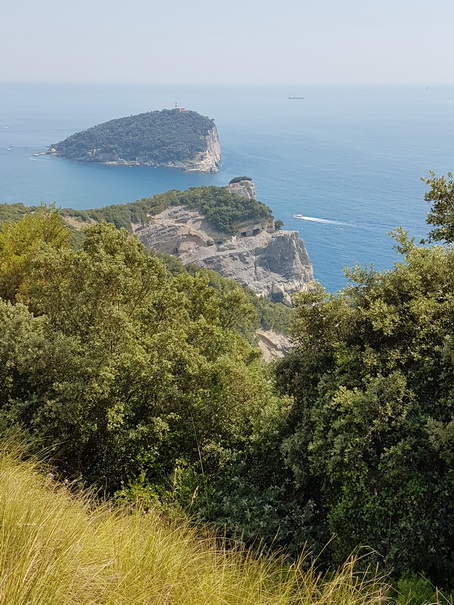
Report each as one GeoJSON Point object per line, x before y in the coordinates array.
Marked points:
{"type": "Point", "coordinates": [224, 229]}
{"type": "Point", "coordinates": [171, 138]}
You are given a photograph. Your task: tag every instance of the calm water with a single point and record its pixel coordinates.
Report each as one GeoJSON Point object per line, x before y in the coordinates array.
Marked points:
{"type": "Point", "coordinates": [350, 158]}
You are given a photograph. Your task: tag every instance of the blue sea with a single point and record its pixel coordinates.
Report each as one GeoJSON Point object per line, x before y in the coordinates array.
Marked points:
{"type": "Point", "coordinates": [349, 159]}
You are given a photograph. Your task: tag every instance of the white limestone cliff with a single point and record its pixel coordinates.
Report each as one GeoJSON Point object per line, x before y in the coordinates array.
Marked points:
{"type": "Point", "coordinates": [272, 263]}
{"type": "Point", "coordinates": [208, 160]}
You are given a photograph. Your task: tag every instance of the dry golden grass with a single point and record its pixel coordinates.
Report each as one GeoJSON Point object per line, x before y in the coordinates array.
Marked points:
{"type": "Point", "coordinates": [59, 549]}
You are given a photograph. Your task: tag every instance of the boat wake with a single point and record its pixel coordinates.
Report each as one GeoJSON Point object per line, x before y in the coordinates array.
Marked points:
{"type": "Point", "coordinates": [320, 220]}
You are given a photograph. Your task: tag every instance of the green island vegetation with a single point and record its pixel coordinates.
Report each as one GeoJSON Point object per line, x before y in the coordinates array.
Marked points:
{"type": "Point", "coordinates": [14, 212]}
{"type": "Point", "coordinates": [154, 138]}
{"type": "Point", "coordinates": [139, 378]}
{"type": "Point", "coordinates": [238, 179]}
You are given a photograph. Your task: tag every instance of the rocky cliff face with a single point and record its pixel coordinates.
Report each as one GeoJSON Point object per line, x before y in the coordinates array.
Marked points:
{"type": "Point", "coordinates": [208, 160]}
{"type": "Point", "coordinates": [272, 263]}
{"type": "Point", "coordinates": [273, 345]}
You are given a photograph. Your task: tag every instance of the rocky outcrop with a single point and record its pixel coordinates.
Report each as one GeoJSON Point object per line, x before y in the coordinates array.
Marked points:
{"type": "Point", "coordinates": [244, 188]}
{"type": "Point", "coordinates": [272, 263]}
{"type": "Point", "coordinates": [273, 345]}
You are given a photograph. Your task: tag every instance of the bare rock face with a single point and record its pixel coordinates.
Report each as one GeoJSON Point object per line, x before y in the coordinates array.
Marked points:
{"type": "Point", "coordinates": [244, 188]}
{"type": "Point", "coordinates": [273, 345]}
{"type": "Point", "coordinates": [208, 160]}
{"type": "Point", "coordinates": [272, 263]}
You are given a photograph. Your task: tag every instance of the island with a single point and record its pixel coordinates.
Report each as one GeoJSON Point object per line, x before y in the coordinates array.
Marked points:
{"type": "Point", "coordinates": [170, 138]}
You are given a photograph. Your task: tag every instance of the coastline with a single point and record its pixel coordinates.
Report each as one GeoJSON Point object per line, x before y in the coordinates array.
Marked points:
{"type": "Point", "coordinates": [200, 166]}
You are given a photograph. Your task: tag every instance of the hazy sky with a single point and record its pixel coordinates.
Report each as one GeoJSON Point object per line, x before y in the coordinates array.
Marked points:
{"type": "Point", "coordinates": [228, 42]}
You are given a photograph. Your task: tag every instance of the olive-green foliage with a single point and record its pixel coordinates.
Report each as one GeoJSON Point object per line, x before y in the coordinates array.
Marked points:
{"type": "Point", "coordinates": [441, 215]}
{"type": "Point", "coordinates": [124, 215]}
{"type": "Point", "coordinates": [123, 368]}
{"type": "Point", "coordinates": [156, 137]}
{"type": "Point", "coordinates": [221, 208]}
{"type": "Point", "coordinates": [272, 316]}
{"type": "Point", "coordinates": [14, 212]}
{"type": "Point", "coordinates": [238, 179]}
{"type": "Point", "coordinates": [416, 589]}
{"type": "Point", "coordinates": [268, 315]}
{"type": "Point", "coordinates": [21, 242]}
{"type": "Point", "coordinates": [371, 431]}
{"type": "Point", "coordinates": [254, 498]}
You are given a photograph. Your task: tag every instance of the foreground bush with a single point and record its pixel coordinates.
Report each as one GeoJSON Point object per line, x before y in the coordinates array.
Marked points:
{"type": "Point", "coordinates": [371, 432]}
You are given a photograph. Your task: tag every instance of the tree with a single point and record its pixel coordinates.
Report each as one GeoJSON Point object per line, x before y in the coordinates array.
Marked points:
{"type": "Point", "coordinates": [20, 243]}
{"type": "Point", "coordinates": [370, 432]}
{"type": "Point", "coordinates": [441, 215]}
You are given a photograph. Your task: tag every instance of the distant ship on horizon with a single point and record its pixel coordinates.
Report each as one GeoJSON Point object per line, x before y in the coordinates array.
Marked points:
{"type": "Point", "coordinates": [293, 97]}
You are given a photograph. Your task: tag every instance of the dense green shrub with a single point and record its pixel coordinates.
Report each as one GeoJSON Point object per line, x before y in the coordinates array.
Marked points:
{"type": "Point", "coordinates": [122, 367]}
{"type": "Point", "coordinates": [441, 215]}
{"type": "Point", "coordinates": [238, 179]}
{"type": "Point", "coordinates": [14, 212]}
{"type": "Point", "coordinates": [372, 424]}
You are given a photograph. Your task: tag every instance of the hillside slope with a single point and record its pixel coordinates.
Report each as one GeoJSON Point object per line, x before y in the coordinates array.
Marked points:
{"type": "Point", "coordinates": [58, 549]}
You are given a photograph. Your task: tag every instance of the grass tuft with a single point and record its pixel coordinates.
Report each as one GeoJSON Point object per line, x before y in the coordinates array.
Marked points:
{"type": "Point", "coordinates": [56, 548]}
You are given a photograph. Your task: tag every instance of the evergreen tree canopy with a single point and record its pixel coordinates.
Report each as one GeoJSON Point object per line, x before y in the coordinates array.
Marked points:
{"type": "Point", "coordinates": [441, 214]}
